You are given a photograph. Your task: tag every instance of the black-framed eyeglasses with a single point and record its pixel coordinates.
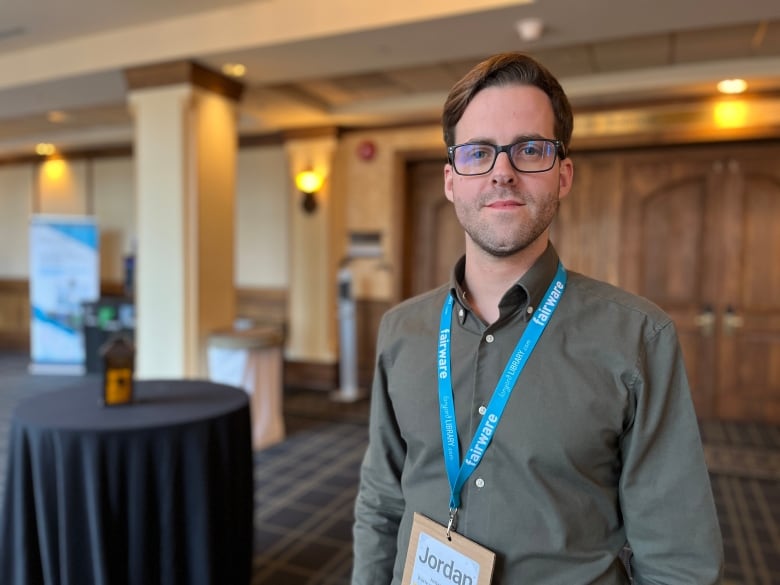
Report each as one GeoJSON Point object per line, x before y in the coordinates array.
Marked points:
{"type": "Point", "coordinates": [527, 156]}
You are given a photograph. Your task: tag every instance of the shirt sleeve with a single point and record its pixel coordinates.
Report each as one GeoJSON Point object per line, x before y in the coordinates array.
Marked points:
{"type": "Point", "coordinates": [380, 502]}
{"type": "Point", "coordinates": [665, 493]}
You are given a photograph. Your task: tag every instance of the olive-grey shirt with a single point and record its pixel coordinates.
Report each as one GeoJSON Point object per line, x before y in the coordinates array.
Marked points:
{"type": "Point", "coordinates": [598, 445]}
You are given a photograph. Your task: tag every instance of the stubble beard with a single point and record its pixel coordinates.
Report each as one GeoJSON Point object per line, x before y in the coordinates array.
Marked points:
{"type": "Point", "coordinates": [510, 238]}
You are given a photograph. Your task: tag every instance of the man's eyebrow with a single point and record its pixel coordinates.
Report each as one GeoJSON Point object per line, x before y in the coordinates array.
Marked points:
{"type": "Point", "coordinates": [479, 141]}
{"type": "Point", "coordinates": [519, 138]}
{"type": "Point", "coordinates": [526, 137]}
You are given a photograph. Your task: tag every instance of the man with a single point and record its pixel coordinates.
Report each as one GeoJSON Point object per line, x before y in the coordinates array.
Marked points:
{"type": "Point", "coordinates": [542, 415]}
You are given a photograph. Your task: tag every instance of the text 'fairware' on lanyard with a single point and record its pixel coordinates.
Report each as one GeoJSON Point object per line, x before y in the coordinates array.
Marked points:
{"type": "Point", "coordinates": [457, 473]}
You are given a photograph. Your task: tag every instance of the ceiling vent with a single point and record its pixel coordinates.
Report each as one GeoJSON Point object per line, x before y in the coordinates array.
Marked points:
{"type": "Point", "coordinates": [7, 33]}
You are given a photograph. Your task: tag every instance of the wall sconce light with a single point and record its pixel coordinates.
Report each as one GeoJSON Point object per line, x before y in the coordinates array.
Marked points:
{"type": "Point", "coordinates": [309, 183]}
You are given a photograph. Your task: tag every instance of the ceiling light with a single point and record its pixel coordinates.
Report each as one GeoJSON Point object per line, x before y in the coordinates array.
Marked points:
{"type": "Point", "coordinates": [529, 29]}
{"type": "Point", "coordinates": [732, 86]}
{"type": "Point", "coordinates": [57, 117]}
{"type": "Point", "coordinates": [234, 69]}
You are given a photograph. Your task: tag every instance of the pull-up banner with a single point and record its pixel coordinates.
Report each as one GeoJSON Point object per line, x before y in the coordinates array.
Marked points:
{"type": "Point", "coordinates": [64, 274]}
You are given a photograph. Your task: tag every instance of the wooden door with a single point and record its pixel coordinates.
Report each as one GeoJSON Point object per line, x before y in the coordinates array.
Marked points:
{"type": "Point", "coordinates": [748, 358]}
{"type": "Point", "coordinates": [433, 239]}
{"type": "Point", "coordinates": [702, 241]}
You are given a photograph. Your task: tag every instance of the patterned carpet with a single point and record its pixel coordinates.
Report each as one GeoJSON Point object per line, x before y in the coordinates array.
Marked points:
{"type": "Point", "coordinates": [743, 450]}
{"type": "Point", "coordinates": [305, 491]}
{"type": "Point", "coordinates": [306, 485]}
{"type": "Point", "coordinates": [744, 464]}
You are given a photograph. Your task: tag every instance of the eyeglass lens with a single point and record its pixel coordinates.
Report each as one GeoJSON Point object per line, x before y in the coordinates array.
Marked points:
{"type": "Point", "coordinates": [526, 156]}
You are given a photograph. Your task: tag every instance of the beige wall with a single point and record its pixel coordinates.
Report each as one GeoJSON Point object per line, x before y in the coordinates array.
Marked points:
{"type": "Point", "coordinates": [113, 202]}
{"type": "Point", "coordinates": [313, 252]}
{"type": "Point", "coordinates": [16, 195]}
{"type": "Point", "coordinates": [262, 218]}
{"type": "Point", "coordinates": [374, 192]}
{"type": "Point", "coordinates": [62, 187]}
{"type": "Point", "coordinates": [261, 214]}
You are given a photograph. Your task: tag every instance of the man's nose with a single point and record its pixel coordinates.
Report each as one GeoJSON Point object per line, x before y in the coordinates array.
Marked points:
{"type": "Point", "coordinates": [503, 171]}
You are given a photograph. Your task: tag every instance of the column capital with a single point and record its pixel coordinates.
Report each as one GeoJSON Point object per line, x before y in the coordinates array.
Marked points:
{"type": "Point", "coordinates": [176, 72]}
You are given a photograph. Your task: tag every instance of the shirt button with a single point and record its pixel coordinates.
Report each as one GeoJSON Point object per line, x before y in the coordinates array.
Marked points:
{"type": "Point", "coordinates": [489, 338]}
{"type": "Point", "coordinates": [482, 410]}
{"type": "Point", "coordinates": [480, 483]}
{"type": "Point", "coordinates": [461, 313]}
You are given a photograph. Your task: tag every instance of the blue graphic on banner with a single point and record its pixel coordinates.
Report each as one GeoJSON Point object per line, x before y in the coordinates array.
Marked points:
{"type": "Point", "coordinates": [84, 233]}
{"type": "Point", "coordinates": [64, 273]}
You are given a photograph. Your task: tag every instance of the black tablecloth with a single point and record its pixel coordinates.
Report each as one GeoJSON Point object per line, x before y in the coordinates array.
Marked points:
{"type": "Point", "coordinates": [158, 491]}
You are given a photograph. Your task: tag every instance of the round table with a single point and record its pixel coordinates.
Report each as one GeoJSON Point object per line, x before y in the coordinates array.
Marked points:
{"type": "Point", "coordinates": [159, 491]}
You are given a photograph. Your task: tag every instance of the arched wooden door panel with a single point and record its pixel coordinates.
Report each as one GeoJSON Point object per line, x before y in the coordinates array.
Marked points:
{"type": "Point", "coordinates": [670, 226]}
{"type": "Point", "coordinates": [749, 370]}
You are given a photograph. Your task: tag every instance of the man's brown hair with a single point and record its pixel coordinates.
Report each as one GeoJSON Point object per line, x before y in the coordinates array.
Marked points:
{"type": "Point", "coordinates": [508, 69]}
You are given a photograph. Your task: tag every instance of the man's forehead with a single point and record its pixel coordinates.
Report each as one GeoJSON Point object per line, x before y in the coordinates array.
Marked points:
{"type": "Point", "coordinates": [518, 110]}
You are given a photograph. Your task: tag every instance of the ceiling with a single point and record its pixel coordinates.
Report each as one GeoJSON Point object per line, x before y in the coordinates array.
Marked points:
{"type": "Point", "coordinates": [314, 63]}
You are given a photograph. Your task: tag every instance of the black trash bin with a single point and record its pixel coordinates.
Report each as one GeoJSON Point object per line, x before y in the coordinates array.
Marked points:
{"type": "Point", "coordinates": [103, 319]}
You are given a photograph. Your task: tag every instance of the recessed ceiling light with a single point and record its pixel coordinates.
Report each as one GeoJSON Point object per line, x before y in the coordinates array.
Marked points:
{"type": "Point", "coordinates": [530, 29]}
{"type": "Point", "coordinates": [732, 86]}
{"type": "Point", "coordinates": [234, 69]}
{"type": "Point", "coordinates": [57, 117]}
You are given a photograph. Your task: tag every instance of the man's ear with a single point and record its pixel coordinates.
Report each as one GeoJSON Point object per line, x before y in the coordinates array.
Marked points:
{"type": "Point", "coordinates": [565, 177]}
{"type": "Point", "coordinates": [449, 175]}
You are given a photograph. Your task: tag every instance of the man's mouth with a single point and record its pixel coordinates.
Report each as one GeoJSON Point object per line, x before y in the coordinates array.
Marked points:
{"type": "Point", "coordinates": [505, 204]}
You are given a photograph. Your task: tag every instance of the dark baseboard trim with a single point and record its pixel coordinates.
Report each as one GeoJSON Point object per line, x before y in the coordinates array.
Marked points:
{"type": "Point", "coordinates": [14, 341]}
{"type": "Point", "coordinates": [311, 376]}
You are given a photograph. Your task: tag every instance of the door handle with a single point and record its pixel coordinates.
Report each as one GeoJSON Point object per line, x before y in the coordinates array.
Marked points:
{"type": "Point", "coordinates": [731, 321]}
{"type": "Point", "coordinates": [705, 321]}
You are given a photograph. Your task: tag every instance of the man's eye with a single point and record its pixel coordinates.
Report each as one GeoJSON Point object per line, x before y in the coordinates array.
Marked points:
{"type": "Point", "coordinates": [479, 153]}
{"type": "Point", "coordinates": [530, 150]}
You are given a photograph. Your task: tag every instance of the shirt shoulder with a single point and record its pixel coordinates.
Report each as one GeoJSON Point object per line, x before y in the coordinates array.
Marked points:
{"type": "Point", "coordinates": [422, 305]}
{"type": "Point", "coordinates": [413, 317]}
{"type": "Point", "coordinates": [588, 296]}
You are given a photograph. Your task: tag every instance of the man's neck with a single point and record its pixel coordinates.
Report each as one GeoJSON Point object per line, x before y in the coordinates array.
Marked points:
{"type": "Point", "coordinates": [487, 277]}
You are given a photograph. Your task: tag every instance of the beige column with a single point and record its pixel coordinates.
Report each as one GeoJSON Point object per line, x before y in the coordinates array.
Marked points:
{"type": "Point", "coordinates": [185, 151]}
{"type": "Point", "coordinates": [315, 249]}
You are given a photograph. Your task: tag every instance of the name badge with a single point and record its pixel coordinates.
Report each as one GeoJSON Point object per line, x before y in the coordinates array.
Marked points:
{"type": "Point", "coordinates": [435, 559]}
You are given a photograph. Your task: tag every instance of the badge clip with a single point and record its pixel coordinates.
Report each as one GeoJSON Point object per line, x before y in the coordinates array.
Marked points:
{"type": "Point", "coordinates": [452, 522]}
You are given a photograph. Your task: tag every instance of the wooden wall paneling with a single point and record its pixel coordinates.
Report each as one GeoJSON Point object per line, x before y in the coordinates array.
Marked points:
{"type": "Point", "coordinates": [265, 306]}
{"type": "Point", "coordinates": [434, 237]}
{"type": "Point", "coordinates": [587, 231]}
{"type": "Point", "coordinates": [14, 315]}
{"type": "Point", "coordinates": [368, 314]}
{"type": "Point", "coordinates": [310, 376]}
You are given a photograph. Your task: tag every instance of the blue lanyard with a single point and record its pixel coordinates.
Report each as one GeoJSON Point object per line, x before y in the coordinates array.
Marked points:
{"type": "Point", "coordinates": [457, 473]}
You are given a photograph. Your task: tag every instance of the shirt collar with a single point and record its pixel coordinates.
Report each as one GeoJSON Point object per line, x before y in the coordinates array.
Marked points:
{"type": "Point", "coordinates": [537, 280]}
{"type": "Point", "coordinates": [526, 294]}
